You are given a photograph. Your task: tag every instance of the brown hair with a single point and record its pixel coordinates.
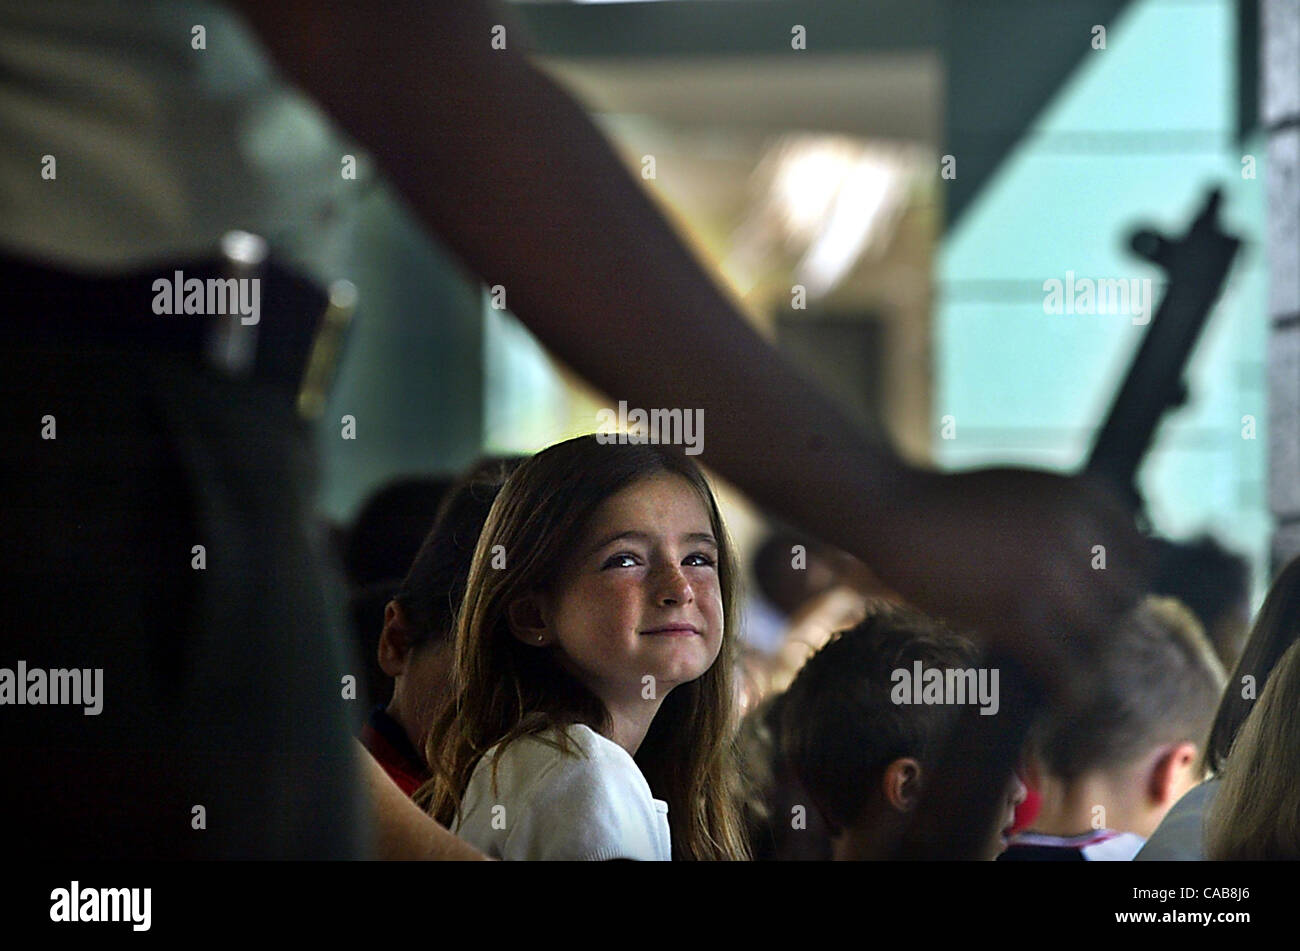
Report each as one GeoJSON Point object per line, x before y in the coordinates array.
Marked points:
{"type": "Point", "coordinates": [504, 690]}
{"type": "Point", "coordinates": [1275, 629]}
{"type": "Point", "coordinates": [1256, 812]}
{"type": "Point", "coordinates": [1158, 681]}
{"type": "Point", "coordinates": [840, 728]}
{"type": "Point", "coordinates": [435, 583]}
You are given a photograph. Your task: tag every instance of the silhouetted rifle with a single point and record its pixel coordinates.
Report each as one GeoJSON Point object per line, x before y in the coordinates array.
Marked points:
{"type": "Point", "coordinates": [968, 786]}
{"type": "Point", "coordinates": [1197, 265]}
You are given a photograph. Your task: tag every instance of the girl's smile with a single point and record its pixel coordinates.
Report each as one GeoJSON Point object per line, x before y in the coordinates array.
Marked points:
{"type": "Point", "coordinates": [675, 629]}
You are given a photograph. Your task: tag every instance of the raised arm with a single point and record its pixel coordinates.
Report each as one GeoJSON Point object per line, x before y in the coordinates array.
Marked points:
{"type": "Point", "coordinates": [403, 832]}
{"type": "Point", "coordinates": [511, 173]}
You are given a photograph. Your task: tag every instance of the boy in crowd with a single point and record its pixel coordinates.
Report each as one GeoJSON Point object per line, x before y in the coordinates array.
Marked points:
{"type": "Point", "coordinates": [1110, 768]}
{"type": "Point", "coordinates": [419, 626]}
{"type": "Point", "coordinates": [861, 744]}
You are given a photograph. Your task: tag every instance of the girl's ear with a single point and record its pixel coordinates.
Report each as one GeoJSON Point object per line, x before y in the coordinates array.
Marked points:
{"type": "Point", "coordinates": [527, 618]}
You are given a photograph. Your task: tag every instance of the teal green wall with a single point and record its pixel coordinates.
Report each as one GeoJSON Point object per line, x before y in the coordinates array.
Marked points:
{"type": "Point", "coordinates": [1136, 136]}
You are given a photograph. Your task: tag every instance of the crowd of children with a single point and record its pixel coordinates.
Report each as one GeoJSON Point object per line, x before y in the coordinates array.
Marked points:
{"type": "Point", "coordinates": [575, 676]}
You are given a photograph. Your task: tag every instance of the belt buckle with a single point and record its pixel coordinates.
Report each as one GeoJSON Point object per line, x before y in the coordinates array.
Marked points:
{"type": "Point", "coordinates": [325, 349]}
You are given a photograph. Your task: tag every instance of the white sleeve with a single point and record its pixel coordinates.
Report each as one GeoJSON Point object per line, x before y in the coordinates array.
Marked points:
{"type": "Point", "coordinates": [587, 810]}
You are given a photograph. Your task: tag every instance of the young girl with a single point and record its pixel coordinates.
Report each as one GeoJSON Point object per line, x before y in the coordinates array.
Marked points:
{"type": "Point", "coordinates": [591, 715]}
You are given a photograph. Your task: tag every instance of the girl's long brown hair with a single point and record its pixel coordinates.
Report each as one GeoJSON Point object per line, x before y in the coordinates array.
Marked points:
{"type": "Point", "coordinates": [503, 689]}
{"type": "Point", "coordinates": [1276, 628]}
{"type": "Point", "coordinates": [1255, 815]}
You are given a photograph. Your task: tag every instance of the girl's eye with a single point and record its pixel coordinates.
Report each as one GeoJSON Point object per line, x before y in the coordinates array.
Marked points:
{"type": "Point", "coordinates": [621, 561]}
{"type": "Point", "coordinates": [701, 561]}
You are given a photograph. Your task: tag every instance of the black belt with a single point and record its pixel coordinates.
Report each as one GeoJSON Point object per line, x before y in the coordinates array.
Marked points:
{"type": "Point", "coordinates": [298, 330]}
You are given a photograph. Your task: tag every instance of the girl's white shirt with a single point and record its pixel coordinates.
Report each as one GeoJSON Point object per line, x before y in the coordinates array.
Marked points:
{"type": "Point", "coordinates": [549, 805]}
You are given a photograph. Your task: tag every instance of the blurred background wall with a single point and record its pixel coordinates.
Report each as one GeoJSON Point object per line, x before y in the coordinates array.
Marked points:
{"type": "Point", "coordinates": [919, 169]}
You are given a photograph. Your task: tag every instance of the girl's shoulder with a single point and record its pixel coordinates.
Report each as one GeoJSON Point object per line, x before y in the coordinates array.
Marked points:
{"type": "Point", "coordinates": [592, 746]}
{"type": "Point", "coordinates": [573, 750]}
{"type": "Point", "coordinates": [564, 793]}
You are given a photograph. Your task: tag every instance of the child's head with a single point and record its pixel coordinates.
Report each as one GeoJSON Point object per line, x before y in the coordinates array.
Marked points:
{"type": "Point", "coordinates": [861, 755]}
{"type": "Point", "coordinates": [390, 526]}
{"type": "Point", "coordinates": [596, 562]}
{"type": "Point", "coordinates": [1255, 814]}
{"type": "Point", "coordinates": [603, 580]}
{"type": "Point", "coordinates": [419, 620]}
{"type": "Point", "coordinates": [1133, 746]}
{"type": "Point", "coordinates": [375, 550]}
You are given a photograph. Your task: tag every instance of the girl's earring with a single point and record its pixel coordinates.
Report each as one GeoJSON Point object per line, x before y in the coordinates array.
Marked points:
{"type": "Point", "coordinates": [540, 638]}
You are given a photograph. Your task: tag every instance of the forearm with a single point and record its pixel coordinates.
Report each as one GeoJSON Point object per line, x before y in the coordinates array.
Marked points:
{"type": "Point", "coordinates": [403, 832]}
{"type": "Point", "coordinates": [514, 176]}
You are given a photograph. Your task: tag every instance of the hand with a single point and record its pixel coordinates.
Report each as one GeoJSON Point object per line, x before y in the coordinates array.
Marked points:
{"type": "Point", "coordinates": [1034, 562]}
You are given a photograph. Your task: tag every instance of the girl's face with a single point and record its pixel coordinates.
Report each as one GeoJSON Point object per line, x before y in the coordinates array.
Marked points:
{"type": "Point", "coordinates": [641, 597]}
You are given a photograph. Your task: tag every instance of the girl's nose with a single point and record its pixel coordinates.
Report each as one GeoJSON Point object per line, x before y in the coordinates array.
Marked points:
{"type": "Point", "coordinates": [673, 587]}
